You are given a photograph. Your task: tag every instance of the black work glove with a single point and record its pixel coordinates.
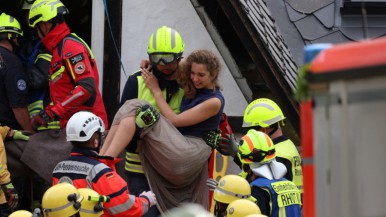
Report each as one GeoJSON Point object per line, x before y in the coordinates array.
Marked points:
{"type": "Point", "coordinates": [10, 194]}
{"type": "Point", "coordinates": [212, 138]}
{"type": "Point", "coordinates": [146, 116]}
{"type": "Point", "coordinates": [42, 119]}
{"type": "Point", "coordinates": [228, 146]}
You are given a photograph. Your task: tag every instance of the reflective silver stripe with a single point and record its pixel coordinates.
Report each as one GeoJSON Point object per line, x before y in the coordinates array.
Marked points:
{"type": "Point", "coordinates": [44, 2]}
{"type": "Point", "coordinates": [97, 169]}
{"type": "Point", "coordinates": [133, 157]}
{"type": "Point", "coordinates": [71, 203]}
{"type": "Point", "coordinates": [155, 41]}
{"type": "Point", "coordinates": [173, 37]}
{"type": "Point", "coordinates": [241, 196]}
{"type": "Point", "coordinates": [73, 97]}
{"type": "Point", "coordinates": [273, 120]}
{"type": "Point", "coordinates": [73, 167]}
{"type": "Point", "coordinates": [261, 104]}
{"type": "Point", "coordinates": [134, 168]}
{"type": "Point", "coordinates": [267, 106]}
{"type": "Point", "coordinates": [122, 207]}
{"type": "Point", "coordinates": [87, 211]}
{"type": "Point", "coordinates": [145, 207]}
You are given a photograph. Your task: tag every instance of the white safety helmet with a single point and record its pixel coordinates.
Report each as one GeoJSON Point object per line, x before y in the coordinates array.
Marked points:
{"type": "Point", "coordinates": [82, 125]}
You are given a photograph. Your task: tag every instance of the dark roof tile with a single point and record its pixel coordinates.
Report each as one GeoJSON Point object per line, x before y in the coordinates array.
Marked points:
{"type": "Point", "coordinates": [308, 6]}
{"type": "Point", "coordinates": [326, 15]}
{"type": "Point", "coordinates": [310, 28]}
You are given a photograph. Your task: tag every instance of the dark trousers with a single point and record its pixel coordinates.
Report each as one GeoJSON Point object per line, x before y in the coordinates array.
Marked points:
{"type": "Point", "coordinates": [5, 210]}
{"type": "Point", "coordinates": [137, 184]}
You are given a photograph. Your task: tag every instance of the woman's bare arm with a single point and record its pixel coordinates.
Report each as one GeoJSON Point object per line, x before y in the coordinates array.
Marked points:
{"type": "Point", "coordinates": [189, 117]}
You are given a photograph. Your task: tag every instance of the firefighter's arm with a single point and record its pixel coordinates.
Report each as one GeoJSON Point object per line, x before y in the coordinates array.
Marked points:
{"type": "Point", "coordinates": [83, 93]}
{"type": "Point", "coordinates": [23, 118]}
{"type": "Point", "coordinates": [121, 202]}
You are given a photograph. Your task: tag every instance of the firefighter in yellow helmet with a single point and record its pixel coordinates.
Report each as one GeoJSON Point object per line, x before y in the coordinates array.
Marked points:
{"type": "Point", "coordinates": [14, 94]}
{"type": "Point", "coordinates": [165, 50]}
{"type": "Point", "coordinates": [274, 194]}
{"type": "Point", "coordinates": [266, 116]}
{"type": "Point", "coordinates": [227, 189]}
{"type": "Point", "coordinates": [61, 200]}
{"type": "Point", "coordinates": [241, 208]}
{"type": "Point", "coordinates": [92, 203]}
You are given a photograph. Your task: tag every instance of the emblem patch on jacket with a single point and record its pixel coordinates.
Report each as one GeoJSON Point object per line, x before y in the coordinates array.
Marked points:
{"type": "Point", "coordinates": [77, 58]}
{"type": "Point", "coordinates": [80, 68]}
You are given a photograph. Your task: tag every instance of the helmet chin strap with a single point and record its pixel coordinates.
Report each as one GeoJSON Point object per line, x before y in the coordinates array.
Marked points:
{"type": "Point", "coordinates": [270, 133]}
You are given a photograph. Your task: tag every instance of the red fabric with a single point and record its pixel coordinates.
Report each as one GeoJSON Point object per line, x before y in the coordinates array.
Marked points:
{"type": "Point", "coordinates": [307, 140]}
{"type": "Point", "coordinates": [225, 129]}
{"type": "Point", "coordinates": [109, 183]}
{"type": "Point", "coordinates": [77, 63]}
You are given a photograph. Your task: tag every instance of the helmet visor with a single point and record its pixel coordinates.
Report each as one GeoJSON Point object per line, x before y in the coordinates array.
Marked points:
{"type": "Point", "coordinates": [163, 58]}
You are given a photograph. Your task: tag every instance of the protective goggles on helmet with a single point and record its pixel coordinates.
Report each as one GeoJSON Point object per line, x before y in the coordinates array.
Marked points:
{"type": "Point", "coordinates": [164, 58]}
{"type": "Point", "coordinates": [256, 155]}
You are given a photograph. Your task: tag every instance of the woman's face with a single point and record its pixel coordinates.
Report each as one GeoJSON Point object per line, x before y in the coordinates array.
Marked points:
{"type": "Point", "coordinates": [201, 77]}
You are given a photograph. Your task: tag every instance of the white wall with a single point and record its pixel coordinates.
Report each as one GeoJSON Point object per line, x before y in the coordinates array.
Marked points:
{"type": "Point", "coordinates": [142, 17]}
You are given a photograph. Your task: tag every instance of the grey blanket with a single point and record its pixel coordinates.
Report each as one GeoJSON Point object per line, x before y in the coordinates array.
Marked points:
{"type": "Point", "coordinates": [44, 150]}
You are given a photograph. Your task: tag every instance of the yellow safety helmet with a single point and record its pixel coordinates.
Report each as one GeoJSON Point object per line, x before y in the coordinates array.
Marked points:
{"type": "Point", "coordinates": [61, 200]}
{"type": "Point", "coordinates": [45, 10]}
{"type": "Point", "coordinates": [256, 146]}
{"type": "Point", "coordinates": [230, 188]}
{"type": "Point", "coordinates": [256, 215]}
{"type": "Point", "coordinates": [92, 205]}
{"type": "Point", "coordinates": [262, 112]}
{"type": "Point", "coordinates": [241, 208]}
{"type": "Point", "coordinates": [10, 26]}
{"type": "Point", "coordinates": [21, 213]}
{"type": "Point", "coordinates": [165, 46]}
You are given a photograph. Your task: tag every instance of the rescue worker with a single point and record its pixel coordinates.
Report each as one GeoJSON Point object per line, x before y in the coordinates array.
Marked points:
{"type": "Point", "coordinates": [229, 188]}
{"type": "Point", "coordinates": [165, 51]}
{"type": "Point", "coordinates": [275, 195]}
{"type": "Point", "coordinates": [92, 204]}
{"type": "Point", "coordinates": [8, 194]}
{"type": "Point", "coordinates": [266, 116]}
{"type": "Point", "coordinates": [13, 80]}
{"type": "Point", "coordinates": [36, 61]}
{"type": "Point", "coordinates": [74, 79]}
{"type": "Point", "coordinates": [241, 208]}
{"type": "Point", "coordinates": [61, 200]}
{"type": "Point", "coordinates": [85, 168]}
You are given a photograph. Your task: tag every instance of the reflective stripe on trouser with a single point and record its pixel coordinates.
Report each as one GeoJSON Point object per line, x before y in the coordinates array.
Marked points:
{"type": "Point", "coordinates": [133, 163]}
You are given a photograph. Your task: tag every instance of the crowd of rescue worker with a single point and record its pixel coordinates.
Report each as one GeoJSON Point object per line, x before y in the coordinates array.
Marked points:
{"type": "Point", "coordinates": [169, 124]}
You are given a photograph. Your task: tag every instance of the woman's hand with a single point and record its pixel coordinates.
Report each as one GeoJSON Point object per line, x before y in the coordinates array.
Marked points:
{"type": "Point", "coordinates": [150, 81]}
